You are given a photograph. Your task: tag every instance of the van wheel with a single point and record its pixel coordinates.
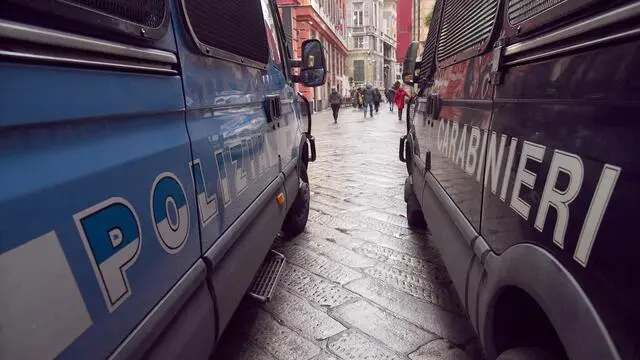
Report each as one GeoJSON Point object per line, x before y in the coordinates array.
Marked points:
{"type": "Point", "coordinates": [415, 217]}
{"type": "Point", "coordinates": [525, 353]}
{"type": "Point", "coordinates": [296, 219]}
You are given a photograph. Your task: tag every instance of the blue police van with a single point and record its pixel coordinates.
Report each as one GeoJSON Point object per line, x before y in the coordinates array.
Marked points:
{"type": "Point", "coordinates": [150, 152]}
{"type": "Point", "coordinates": [522, 160]}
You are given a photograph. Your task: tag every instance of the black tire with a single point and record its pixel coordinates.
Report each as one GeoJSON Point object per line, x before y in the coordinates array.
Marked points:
{"type": "Point", "coordinates": [296, 219]}
{"type": "Point", "coordinates": [526, 353]}
{"type": "Point", "coordinates": [415, 217]}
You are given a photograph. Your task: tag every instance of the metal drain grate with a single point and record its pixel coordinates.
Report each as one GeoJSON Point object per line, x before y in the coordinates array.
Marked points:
{"type": "Point", "coordinates": [267, 276]}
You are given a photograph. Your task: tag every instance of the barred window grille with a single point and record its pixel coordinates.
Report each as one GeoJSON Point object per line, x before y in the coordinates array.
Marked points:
{"type": "Point", "coordinates": [149, 13]}
{"type": "Point", "coordinates": [521, 10]}
{"type": "Point", "coordinates": [465, 24]}
{"type": "Point", "coordinates": [147, 19]}
{"type": "Point", "coordinates": [216, 24]}
{"type": "Point", "coordinates": [428, 62]}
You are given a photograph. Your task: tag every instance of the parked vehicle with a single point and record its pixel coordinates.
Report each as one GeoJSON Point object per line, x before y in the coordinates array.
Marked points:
{"type": "Point", "coordinates": [522, 161]}
{"type": "Point", "coordinates": [150, 155]}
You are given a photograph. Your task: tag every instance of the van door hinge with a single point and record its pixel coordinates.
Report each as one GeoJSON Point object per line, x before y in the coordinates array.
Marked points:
{"type": "Point", "coordinates": [498, 53]}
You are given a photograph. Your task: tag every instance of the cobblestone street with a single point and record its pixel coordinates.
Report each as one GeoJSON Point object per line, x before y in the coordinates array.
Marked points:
{"type": "Point", "coordinates": [358, 284]}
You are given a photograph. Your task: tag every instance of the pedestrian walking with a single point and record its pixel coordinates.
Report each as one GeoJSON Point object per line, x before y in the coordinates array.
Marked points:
{"type": "Point", "coordinates": [368, 100]}
{"type": "Point", "coordinates": [377, 98]}
{"type": "Point", "coordinates": [390, 95]}
{"type": "Point", "coordinates": [354, 99]}
{"type": "Point", "coordinates": [335, 100]}
{"type": "Point", "coordinates": [398, 98]}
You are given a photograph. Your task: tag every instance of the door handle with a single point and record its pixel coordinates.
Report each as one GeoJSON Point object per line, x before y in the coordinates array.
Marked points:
{"type": "Point", "coordinates": [401, 148]}
{"type": "Point", "coordinates": [433, 105]}
{"type": "Point", "coordinates": [272, 107]}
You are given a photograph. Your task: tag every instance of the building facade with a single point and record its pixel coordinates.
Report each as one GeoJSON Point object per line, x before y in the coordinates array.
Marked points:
{"type": "Point", "coordinates": [389, 42]}
{"type": "Point", "coordinates": [322, 20]}
{"type": "Point", "coordinates": [422, 12]}
{"type": "Point", "coordinates": [414, 17]}
{"type": "Point", "coordinates": [371, 41]}
{"type": "Point", "coordinates": [404, 14]}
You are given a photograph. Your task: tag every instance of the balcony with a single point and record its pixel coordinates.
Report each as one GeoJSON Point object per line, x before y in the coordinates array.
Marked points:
{"type": "Point", "coordinates": [362, 30]}
{"type": "Point", "coordinates": [388, 39]}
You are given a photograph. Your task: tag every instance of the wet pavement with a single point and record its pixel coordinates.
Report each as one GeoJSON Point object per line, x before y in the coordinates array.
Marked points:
{"type": "Point", "coordinates": [358, 284]}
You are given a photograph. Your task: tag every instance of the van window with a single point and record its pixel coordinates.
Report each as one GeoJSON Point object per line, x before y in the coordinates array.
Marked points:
{"type": "Point", "coordinates": [466, 25]}
{"type": "Point", "coordinates": [233, 30]}
{"type": "Point", "coordinates": [428, 60]}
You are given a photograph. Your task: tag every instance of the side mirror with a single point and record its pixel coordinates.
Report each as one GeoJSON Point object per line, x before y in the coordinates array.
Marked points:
{"type": "Point", "coordinates": [313, 71]}
{"type": "Point", "coordinates": [409, 65]}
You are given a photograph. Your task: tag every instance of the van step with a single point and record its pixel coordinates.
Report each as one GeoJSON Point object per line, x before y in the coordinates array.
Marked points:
{"type": "Point", "coordinates": [267, 276]}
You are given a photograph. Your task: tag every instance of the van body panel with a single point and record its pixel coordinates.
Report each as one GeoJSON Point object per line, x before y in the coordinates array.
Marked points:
{"type": "Point", "coordinates": [190, 335]}
{"type": "Point", "coordinates": [577, 107]}
{"type": "Point", "coordinates": [138, 196]}
{"type": "Point", "coordinates": [67, 165]}
{"type": "Point", "coordinates": [551, 194]}
{"type": "Point", "coordinates": [457, 137]}
{"type": "Point", "coordinates": [232, 276]}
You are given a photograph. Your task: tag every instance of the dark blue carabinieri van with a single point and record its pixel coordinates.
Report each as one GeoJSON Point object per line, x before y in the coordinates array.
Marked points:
{"type": "Point", "coordinates": [150, 152]}
{"type": "Point", "coordinates": [522, 160]}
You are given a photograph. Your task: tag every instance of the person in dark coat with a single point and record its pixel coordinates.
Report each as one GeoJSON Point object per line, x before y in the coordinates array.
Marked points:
{"type": "Point", "coordinates": [368, 100]}
{"type": "Point", "coordinates": [335, 100]}
{"type": "Point", "coordinates": [390, 93]}
{"type": "Point", "coordinates": [377, 98]}
{"type": "Point", "coordinates": [399, 97]}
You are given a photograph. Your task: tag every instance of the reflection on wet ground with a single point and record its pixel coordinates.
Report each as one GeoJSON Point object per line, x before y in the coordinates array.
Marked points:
{"type": "Point", "coordinates": [359, 284]}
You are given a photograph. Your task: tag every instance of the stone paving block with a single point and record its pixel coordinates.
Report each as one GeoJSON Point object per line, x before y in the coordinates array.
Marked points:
{"type": "Point", "coordinates": [335, 202]}
{"type": "Point", "coordinates": [415, 245]}
{"type": "Point", "coordinates": [385, 179]}
{"type": "Point", "coordinates": [420, 267]}
{"type": "Point", "coordinates": [395, 333]}
{"type": "Point", "coordinates": [315, 230]}
{"type": "Point", "coordinates": [353, 345]}
{"type": "Point", "coordinates": [298, 313]}
{"type": "Point", "coordinates": [333, 221]}
{"type": "Point", "coordinates": [380, 246]}
{"type": "Point", "coordinates": [314, 288]}
{"type": "Point", "coordinates": [439, 350]}
{"type": "Point", "coordinates": [386, 217]}
{"type": "Point", "coordinates": [325, 208]}
{"type": "Point", "coordinates": [280, 340]}
{"type": "Point", "coordinates": [374, 224]}
{"type": "Point", "coordinates": [415, 285]}
{"type": "Point", "coordinates": [372, 250]}
{"type": "Point", "coordinates": [378, 202]}
{"type": "Point", "coordinates": [317, 188]}
{"type": "Point", "coordinates": [319, 265]}
{"type": "Point", "coordinates": [339, 253]}
{"type": "Point", "coordinates": [419, 312]}
{"type": "Point", "coordinates": [325, 356]}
